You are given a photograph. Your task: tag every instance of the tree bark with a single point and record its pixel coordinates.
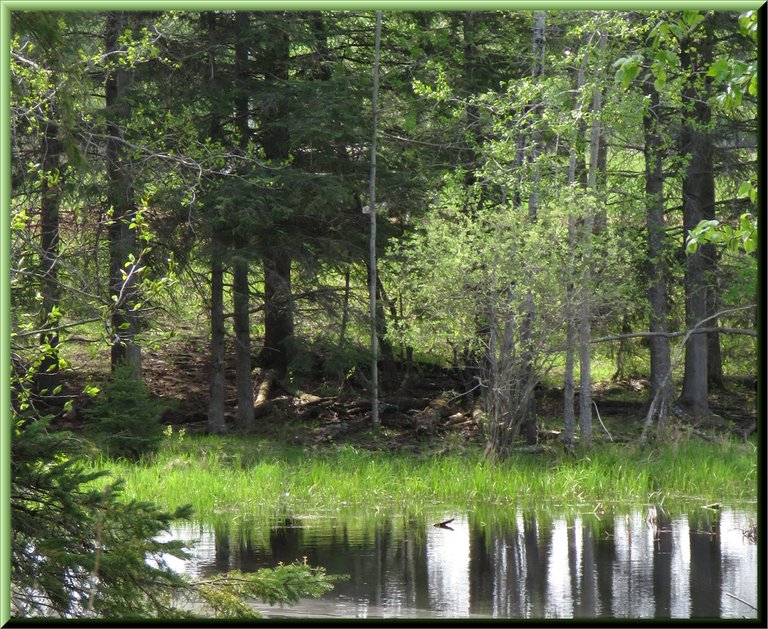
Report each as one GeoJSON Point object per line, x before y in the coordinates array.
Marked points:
{"type": "Point", "coordinates": [50, 194]}
{"type": "Point", "coordinates": [714, 354]}
{"type": "Point", "coordinates": [372, 269]}
{"type": "Point", "coordinates": [698, 204]}
{"type": "Point", "coordinates": [122, 239]}
{"type": "Point", "coordinates": [570, 309]}
{"type": "Point", "coordinates": [657, 247]}
{"type": "Point", "coordinates": [245, 417]}
{"type": "Point", "coordinates": [277, 353]}
{"type": "Point", "coordinates": [278, 312]}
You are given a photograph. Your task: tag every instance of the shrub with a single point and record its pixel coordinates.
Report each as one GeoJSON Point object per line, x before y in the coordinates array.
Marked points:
{"type": "Point", "coordinates": [125, 419]}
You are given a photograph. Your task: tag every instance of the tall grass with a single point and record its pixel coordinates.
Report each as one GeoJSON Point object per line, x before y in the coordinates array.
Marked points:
{"type": "Point", "coordinates": [242, 477]}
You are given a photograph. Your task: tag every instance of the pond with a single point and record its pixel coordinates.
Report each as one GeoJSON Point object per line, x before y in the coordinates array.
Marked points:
{"type": "Point", "coordinates": [515, 564]}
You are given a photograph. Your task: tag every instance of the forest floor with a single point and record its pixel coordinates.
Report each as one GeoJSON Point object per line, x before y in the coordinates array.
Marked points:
{"type": "Point", "coordinates": [431, 410]}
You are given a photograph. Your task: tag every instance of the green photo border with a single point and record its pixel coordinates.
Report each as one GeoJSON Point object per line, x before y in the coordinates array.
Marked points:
{"type": "Point", "coordinates": [6, 6]}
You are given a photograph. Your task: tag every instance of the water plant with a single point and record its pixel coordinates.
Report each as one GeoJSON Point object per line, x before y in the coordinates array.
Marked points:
{"type": "Point", "coordinates": [245, 477]}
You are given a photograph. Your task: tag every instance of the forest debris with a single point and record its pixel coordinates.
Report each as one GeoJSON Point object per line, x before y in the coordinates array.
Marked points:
{"type": "Point", "coordinates": [265, 408]}
{"type": "Point", "coordinates": [456, 418]}
{"type": "Point", "coordinates": [477, 412]}
{"type": "Point", "coordinates": [309, 398]}
{"type": "Point", "coordinates": [265, 388]}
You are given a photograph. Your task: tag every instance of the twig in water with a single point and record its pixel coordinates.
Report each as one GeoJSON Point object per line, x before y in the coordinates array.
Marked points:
{"type": "Point", "coordinates": [444, 525]}
{"type": "Point", "coordinates": [741, 600]}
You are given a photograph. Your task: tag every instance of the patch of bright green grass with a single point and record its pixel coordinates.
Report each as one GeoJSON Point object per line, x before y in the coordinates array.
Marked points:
{"type": "Point", "coordinates": [235, 477]}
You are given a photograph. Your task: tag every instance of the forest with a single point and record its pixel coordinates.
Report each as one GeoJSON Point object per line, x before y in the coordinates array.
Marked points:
{"type": "Point", "coordinates": [508, 238]}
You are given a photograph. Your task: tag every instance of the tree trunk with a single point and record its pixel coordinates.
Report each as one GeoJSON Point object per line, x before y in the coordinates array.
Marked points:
{"type": "Point", "coordinates": [714, 355]}
{"type": "Point", "coordinates": [122, 239]}
{"type": "Point", "coordinates": [50, 194]}
{"type": "Point", "coordinates": [386, 351]}
{"type": "Point", "coordinates": [372, 269]}
{"type": "Point", "coordinates": [698, 203]}
{"type": "Point", "coordinates": [245, 417]}
{"type": "Point", "coordinates": [278, 312]}
{"type": "Point", "coordinates": [585, 310]}
{"type": "Point", "coordinates": [570, 308]}
{"type": "Point", "coordinates": [277, 353]}
{"type": "Point", "coordinates": [526, 332]}
{"type": "Point", "coordinates": [216, 424]}
{"type": "Point", "coordinates": [657, 247]}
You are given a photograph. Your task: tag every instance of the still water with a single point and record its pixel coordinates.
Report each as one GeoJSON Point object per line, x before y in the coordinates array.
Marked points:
{"type": "Point", "coordinates": [512, 565]}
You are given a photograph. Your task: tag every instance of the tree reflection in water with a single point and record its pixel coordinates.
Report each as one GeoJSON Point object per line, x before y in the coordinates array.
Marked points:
{"type": "Point", "coordinates": [506, 565]}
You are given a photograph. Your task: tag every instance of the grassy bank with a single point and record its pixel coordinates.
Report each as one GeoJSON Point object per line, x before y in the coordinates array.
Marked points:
{"type": "Point", "coordinates": [248, 477]}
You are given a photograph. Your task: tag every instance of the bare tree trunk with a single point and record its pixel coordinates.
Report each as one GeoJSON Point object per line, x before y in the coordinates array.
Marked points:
{"type": "Point", "coordinates": [122, 239]}
{"type": "Point", "coordinates": [47, 377]}
{"type": "Point", "coordinates": [657, 247]}
{"type": "Point", "coordinates": [698, 202]}
{"type": "Point", "coordinates": [585, 314]}
{"type": "Point", "coordinates": [570, 310]}
{"type": "Point", "coordinates": [526, 332]}
{"type": "Point", "coordinates": [216, 424]}
{"type": "Point", "coordinates": [372, 241]}
{"type": "Point", "coordinates": [245, 416]}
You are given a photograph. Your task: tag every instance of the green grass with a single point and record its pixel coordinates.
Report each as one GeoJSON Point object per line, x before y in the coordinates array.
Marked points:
{"type": "Point", "coordinates": [247, 478]}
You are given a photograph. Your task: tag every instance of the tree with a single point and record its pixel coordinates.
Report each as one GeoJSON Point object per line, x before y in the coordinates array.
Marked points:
{"type": "Point", "coordinates": [661, 387]}
{"type": "Point", "coordinates": [698, 204]}
{"type": "Point", "coordinates": [121, 206]}
{"type": "Point", "coordinates": [78, 551]}
{"type": "Point", "coordinates": [372, 212]}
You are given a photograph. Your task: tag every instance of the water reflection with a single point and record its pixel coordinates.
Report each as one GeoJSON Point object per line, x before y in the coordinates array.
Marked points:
{"type": "Point", "coordinates": [523, 565]}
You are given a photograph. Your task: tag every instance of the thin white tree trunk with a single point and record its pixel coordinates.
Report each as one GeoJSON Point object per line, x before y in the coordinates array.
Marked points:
{"type": "Point", "coordinates": [570, 315]}
{"type": "Point", "coordinates": [372, 210]}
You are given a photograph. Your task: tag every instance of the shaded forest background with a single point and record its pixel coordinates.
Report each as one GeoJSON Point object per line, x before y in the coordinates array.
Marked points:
{"type": "Point", "coordinates": [203, 177]}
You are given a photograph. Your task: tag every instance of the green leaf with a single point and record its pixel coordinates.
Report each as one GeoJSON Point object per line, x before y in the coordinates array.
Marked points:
{"type": "Point", "coordinates": [720, 69]}
{"type": "Point", "coordinates": [745, 188]}
{"type": "Point", "coordinates": [692, 18]}
{"type": "Point", "coordinates": [676, 30]}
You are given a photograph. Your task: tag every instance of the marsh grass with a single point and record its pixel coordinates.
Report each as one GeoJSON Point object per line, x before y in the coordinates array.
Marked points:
{"type": "Point", "coordinates": [236, 477]}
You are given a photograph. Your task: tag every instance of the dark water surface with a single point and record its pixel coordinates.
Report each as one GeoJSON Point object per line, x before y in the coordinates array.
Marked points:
{"type": "Point", "coordinates": [512, 565]}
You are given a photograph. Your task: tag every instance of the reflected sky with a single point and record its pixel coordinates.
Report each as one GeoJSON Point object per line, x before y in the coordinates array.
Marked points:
{"type": "Point", "coordinates": [511, 565]}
